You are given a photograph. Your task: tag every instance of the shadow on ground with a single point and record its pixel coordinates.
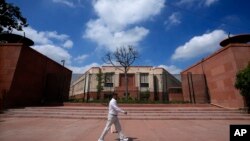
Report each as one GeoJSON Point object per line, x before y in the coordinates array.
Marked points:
{"type": "Point", "coordinates": [130, 139]}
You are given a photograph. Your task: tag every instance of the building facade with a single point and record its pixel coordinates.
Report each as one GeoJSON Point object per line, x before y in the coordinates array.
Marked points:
{"type": "Point", "coordinates": [142, 80]}
{"type": "Point", "coordinates": [28, 78]}
{"type": "Point", "coordinates": [212, 79]}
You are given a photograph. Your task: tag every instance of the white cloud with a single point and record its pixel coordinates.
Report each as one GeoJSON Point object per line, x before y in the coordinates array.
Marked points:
{"type": "Point", "coordinates": [210, 2]}
{"type": "Point", "coordinates": [68, 3]}
{"type": "Point", "coordinates": [46, 37]}
{"type": "Point", "coordinates": [37, 37]}
{"type": "Point", "coordinates": [81, 58]}
{"type": "Point", "coordinates": [118, 14]}
{"type": "Point", "coordinates": [171, 69]}
{"type": "Point", "coordinates": [200, 45]}
{"type": "Point", "coordinates": [68, 44]}
{"type": "Point", "coordinates": [199, 3]}
{"type": "Point", "coordinates": [116, 19]}
{"type": "Point", "coordinates": [130, 37]}
{"type": "Point", "coordinates": [55, 35]}
{"type": "Point", "coordinates": [54, 52]}
{"type": "Point", "coordinates": [104, 37]}
{"type": "Point", "coordinates": [50, 44]}
{"type": "Point", "coordinates": [83, 69]}
{"type": "Point", "coordinates": [173, 20]}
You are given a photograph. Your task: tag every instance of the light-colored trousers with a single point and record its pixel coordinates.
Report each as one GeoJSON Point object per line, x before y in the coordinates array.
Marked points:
{"type": "Point", "coordinates": [112, 120]}
{"type": "Point", "coordinates": [113, 130]}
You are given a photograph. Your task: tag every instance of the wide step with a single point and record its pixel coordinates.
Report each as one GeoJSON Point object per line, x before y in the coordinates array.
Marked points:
{"type": "Point", "coordinates": [134, 113]}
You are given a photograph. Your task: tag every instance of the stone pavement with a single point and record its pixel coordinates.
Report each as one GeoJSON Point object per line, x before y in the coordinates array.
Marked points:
{"type": "Point", "coordinates": [28, 128]}
{"type": "Point", "coordinates": [51, 129]}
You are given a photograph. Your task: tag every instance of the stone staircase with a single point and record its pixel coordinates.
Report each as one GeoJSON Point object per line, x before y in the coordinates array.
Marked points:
{"type": "Point", "coordinates": [134, 113]}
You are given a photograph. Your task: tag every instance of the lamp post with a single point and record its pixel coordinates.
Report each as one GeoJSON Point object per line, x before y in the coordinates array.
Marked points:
{"type": "Point", "coordinates": [63, 61]}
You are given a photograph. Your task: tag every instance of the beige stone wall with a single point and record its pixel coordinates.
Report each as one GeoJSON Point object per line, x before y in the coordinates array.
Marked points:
{"type": "Point", "coordinates": [88, 81]}
{"type": "Point", "coordinates": [77, 87]}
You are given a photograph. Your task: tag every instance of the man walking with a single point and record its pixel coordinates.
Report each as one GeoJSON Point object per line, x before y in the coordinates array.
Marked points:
{"type": "Point", "coordinates": [113, 119]}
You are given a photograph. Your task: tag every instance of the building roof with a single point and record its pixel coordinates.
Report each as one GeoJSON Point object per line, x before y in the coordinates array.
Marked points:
{"type": "Point", "coordinates": [242, 38]}
{"type": "Point", "coordinates": [14, 38]}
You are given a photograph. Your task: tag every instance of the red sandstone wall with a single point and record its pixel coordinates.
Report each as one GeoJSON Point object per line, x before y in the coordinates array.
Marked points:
{"type": "Point", "coordinates": [36, 78]}
{"type": "Point", "coordinates": [9, 55]}
{"type": "Point", "coordinates": [220, 69]}
{"type": "Point", "coordinates": [59, 84]}
{"type": "Point", "coordinates": [175, 94]}
{"type": "Point", "coordinates": [197, 86]}
{"type": "Point", "coordinates": [28, 84]}
{"type": "Point", "coordinates": [185, 89]}
{"type": "Point", "coordinates": [242, 55]}
{"type": "Point", "coordinates": [175, 97]}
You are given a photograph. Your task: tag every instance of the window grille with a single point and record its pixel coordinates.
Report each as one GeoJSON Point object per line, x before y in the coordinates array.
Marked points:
{"type": "Point", "coordinates": [144, 80]}
{"type": "Point", "coordinates": [108, 80]}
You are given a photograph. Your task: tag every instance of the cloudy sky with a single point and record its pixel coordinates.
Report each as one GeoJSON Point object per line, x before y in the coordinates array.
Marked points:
{"type": "Point", "coordinates": [173, 34]}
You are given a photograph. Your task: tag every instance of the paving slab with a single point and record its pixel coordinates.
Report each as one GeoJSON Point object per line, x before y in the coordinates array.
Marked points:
{"type": "Point", "coordinates": [53, 129]}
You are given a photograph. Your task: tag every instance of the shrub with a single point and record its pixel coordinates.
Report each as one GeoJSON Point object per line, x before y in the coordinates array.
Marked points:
{"type": "Point", "coordinates": [243, 81]}
{"type": "Point", "coordinates": [144, 96]}
{"type": "Point", "coordinates": [243, 84]}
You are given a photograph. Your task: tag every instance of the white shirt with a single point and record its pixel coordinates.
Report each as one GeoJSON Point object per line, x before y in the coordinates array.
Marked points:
{"type": "Point", "coordinates": [113, 107]}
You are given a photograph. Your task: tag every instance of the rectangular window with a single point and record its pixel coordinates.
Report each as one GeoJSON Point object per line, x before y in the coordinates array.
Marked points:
{"type": "Point", "coordinates": [144, 80]}
{"type": "Point", "coordinates": [108, 80]}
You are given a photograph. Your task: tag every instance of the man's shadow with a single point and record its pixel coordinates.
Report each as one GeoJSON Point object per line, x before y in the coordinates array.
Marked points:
{"type": "Point", "coordinates": [130, 139]}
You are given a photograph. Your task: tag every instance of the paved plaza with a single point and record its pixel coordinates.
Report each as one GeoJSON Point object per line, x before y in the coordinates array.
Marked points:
{"type": "Point", "coordinates": [46, 129]}
{"type": "Point", "coordinates": [17, 128]}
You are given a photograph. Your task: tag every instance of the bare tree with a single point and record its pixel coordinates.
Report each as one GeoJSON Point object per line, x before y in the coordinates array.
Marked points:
{"type": "Point", "coordinates": [122, 59]}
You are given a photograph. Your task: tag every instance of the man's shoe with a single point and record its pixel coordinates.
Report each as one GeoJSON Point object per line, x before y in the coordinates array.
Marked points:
{"type": "Point", "coordinates": [125, 139]}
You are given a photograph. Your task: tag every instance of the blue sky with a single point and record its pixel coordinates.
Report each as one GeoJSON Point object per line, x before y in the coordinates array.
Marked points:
{"type": "Point", "coordinates": [173, 34]}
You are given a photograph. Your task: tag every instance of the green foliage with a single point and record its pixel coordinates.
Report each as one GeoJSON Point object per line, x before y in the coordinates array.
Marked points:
{"type": "Point", "coordinates": [100, 81]}
{"type": "Point", "coordinates": [144, 96]}
{"type": "Point", "coordinates": [11, 17]}
{"type": "Point", "coordinates": [126, 100]}
{"type": "Point", "coordinates": [75, 100]}
{"type": "Point", "coordinates": [243, 81]}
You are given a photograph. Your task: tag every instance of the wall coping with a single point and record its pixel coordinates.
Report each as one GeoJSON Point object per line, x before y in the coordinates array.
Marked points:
{"type": "Point", "coordinates": [21, 45]}
{"type": "Point", "coordinates": [216, 53]}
